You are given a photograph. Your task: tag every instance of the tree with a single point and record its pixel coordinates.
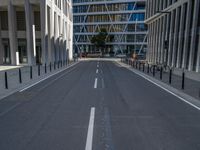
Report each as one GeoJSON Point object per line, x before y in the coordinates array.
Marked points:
{"type": "Point", "coordinates": [99, 40]}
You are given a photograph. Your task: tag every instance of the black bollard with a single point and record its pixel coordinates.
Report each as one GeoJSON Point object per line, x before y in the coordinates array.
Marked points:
{"type": "Point", "coordinates": [154, 70]}
{"type": "Point", "coordinates": [54, 65]}
{"type": "Point", "coordinates": [143, 67]}
{"type": "Point", "coordinates": [20, 76]}
{"type": "Point", "coordinates": [136, 65]}
{"type": "Point", "coordinates": [183, 80]}
{"type": "Point", "coordinates": [139, 65]}
{"type": "Point", "coordinates": [170, 76]}
{"type": "Point", "coordinates": [50, 66]}
{"type": "Point", "coordinates": [31, 72]}
{"type": "Point", "coordinates": [147, 68]}
{"type": "Point", "coordinates": [6, 80]}
{"type": "Point", "coordinates": [38, 69]}
{"type": "Point", "coordinates": [45, 68]}
{"type": "Point", "coordinates": [161, 72]}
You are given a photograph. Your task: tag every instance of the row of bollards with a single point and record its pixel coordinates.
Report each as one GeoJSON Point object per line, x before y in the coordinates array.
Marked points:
{"type": "Point", "coordinates": [153, 69]}
{"type": "Point", "coordinates": [56, 65]}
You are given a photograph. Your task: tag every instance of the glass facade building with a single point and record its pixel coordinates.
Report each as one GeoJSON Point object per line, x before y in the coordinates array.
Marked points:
{"type": "Point", "coordinates": [123, 20]}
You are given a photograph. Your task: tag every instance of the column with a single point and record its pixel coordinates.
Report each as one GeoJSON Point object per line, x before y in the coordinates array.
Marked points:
{"type": "Point", "coordinates": [52, 35]}
{"type": "Point", "coordinates": [194, 34]}
{"type": "Point", "coordinates": [170, 50]}
{"type": "Point", "coordinates": [31, 53]}
{"type": "Point", "coordinates": [187, 34]}
{"type": "Point", "coordinates": [160, 39]}
{"type": "Point", "coordinates": [174, 54]}
{"type": "Point", "coordinates": [163, 38]}
{"type": "Point", "coordinates": [71, 41]}
{"type": "Point", "coordinates": [198, 57]}
{"type": "Point", "coordinates": [49, 52]}
{"type": "Point", "coordinates": [180, 40]}
{"type": "Point", "coordinates": [44, 31]}
{"type": "Point", "coordinates": [56, 37]}
{"type": "Point", "coordinates": [12, 27]}
{"type": "Point", "coordinates": [1, 47]}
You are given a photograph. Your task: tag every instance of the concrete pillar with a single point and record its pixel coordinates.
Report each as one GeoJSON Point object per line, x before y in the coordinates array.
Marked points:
{"type": "Point", "coordinates": [170, 50]}
{"type": "Point", "coordinates": [198, 57]}
{"type": "Point", "coordinates": [160, 39]}
{"type": "Point", "coordinates": [52, 35]}
{"type": "Point", "coordinates": [187, 34]}
{"type": "Point", "coordinates": [44, 31]}
{"type": "Point", "coordinates": [71, 41]}
{"type": "Point", "coordinates": [156, 41]}
{"type": "Point", "coordinates": [163, 38]}
{"type": "Point", "coordinates": [194, 35]}
{"type": "Point", "coordinates": [49, 52]}
{"type": "Point", "coordinates": [175, 43]}
{"type": "Point", "coordinates": [12, 27]}
{"type": "Point", "coordinates": [180, 36]}
{"type": "Point", "coordinates": [1, 47]}
{"type": "Point", "coordinates": [31, 53]}
{"type": "Point", "coordinates": [56, 37]}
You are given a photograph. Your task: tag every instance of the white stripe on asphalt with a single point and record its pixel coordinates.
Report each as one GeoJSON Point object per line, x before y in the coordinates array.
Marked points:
{"type": "Point", "coordinates": [46, 78]}
{"type": "Point", "coordinates": [95, 83]}
{"type": "Point", "coordinates": [88, 145]}
{"type": "Point", "coordinates": [179, 97]}
{"type": "Point", "coordinates": [97, 66]}
{"type": "Point", "coordinates": [97, 71]}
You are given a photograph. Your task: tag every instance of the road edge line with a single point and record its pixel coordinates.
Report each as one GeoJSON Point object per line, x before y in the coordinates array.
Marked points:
{"type": "Point", "coordinates": [173, 91]}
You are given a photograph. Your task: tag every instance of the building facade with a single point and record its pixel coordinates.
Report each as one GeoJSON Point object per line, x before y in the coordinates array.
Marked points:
{"type": "Point", "coordinates": [35, 31]}
{"type": "Point", "coordinates": [123, 20]}
{"type": "Point", "coordinates": [174, 33]}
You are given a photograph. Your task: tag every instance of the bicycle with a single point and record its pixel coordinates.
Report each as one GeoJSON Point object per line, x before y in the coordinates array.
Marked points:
{"type": "Point", "coordinates": [157, 67]}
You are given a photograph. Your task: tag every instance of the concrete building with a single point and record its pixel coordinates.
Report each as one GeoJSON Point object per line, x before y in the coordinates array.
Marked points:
{"type": "Point", "coordinates": [123, 20]}
{"type": "Point", "coordinates": [35, 31]}
{"type": "Point", "coordinates": [174, 33]}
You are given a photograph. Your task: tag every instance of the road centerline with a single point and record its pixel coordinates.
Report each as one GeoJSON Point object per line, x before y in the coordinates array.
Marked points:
{"type": "Point", "coordinates": [95, 83]}
{"type": "Point", "coordinates": [89, 140]}
{"type": "Point", "coordinates": [97, 71]}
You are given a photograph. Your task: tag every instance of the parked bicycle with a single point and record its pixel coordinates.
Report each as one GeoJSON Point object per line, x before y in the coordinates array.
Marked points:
{"type": "Point", "coordinates": [157, 67]}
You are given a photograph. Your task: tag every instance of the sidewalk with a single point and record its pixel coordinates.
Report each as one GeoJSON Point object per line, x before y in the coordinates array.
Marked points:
{"type": "Point", "coordinates": [6, 67]}
{"type": "Point", "coordinates": [38, 73]}
{"type": "Point", "coordinates": [192, 87]}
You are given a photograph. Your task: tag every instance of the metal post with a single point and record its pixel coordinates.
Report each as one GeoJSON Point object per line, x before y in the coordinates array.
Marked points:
{"type": "Point", "coordinates": [136, 65]}
{"type": "Point", "coordinates": [154, 70]}
{"type": "Point", "coordinates": [45, 68]}
{"type": "Point", "coordinates": [139, 65]}
{"type": "Point", "coordinates": [161, 72]}
{"type": "Point", "coordinates": [50, 66]}
{"type": "Point", "coordinates": [183, 80]}
{"type": "Point", "coordinates": [147, 68]}
{"type": "Point", "coordinates": [31, 72]}
{"type": "Point", "coordinates": [6, 80]}
{"type": "Point", "coordinates": [54, 64]}
{"type": "Point", "coordinates": [143, 67]}
{"type": "Point", "coordinates": [20, 76]}
{"type": "Point", "coordinates": [170, 76]}
{"type": "Point", "coordinates": [38, 69]}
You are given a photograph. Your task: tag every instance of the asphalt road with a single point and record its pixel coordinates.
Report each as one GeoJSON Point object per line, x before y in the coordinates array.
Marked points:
{"type": "Point", "coordinates": [97, 105]}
